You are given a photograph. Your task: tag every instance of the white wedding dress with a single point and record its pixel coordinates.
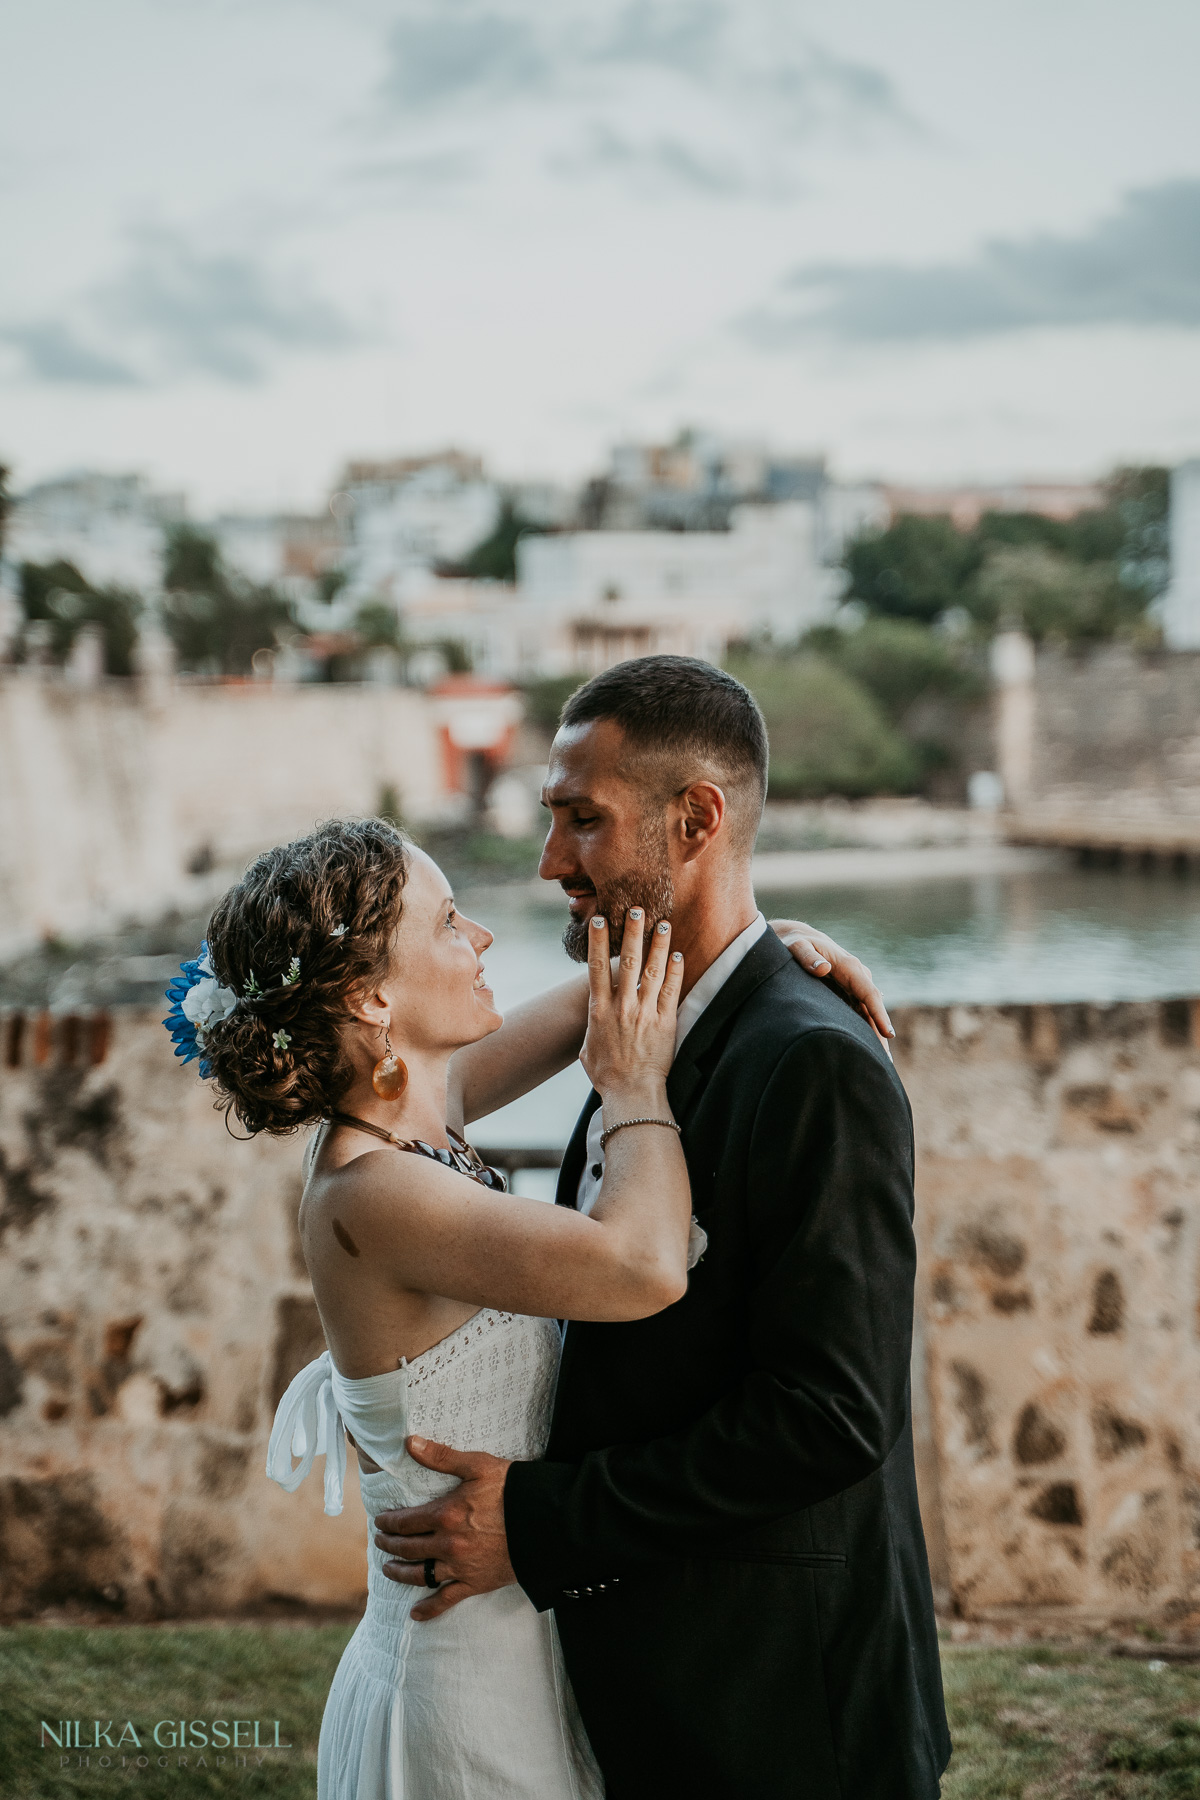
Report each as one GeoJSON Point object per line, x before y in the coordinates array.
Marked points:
{"type": "Point", "coordinates": [474, 1705]}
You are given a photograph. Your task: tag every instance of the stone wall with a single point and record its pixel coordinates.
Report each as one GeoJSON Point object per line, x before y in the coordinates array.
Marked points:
{"type": "Point", "coordinates": [115, 802]}
{"type": "Point", "coordinates": [1059, 1151]}
{"type": "Point", "coordinates": [154, 1305]}
{"type": "Point", "coordinates": [1109, 732]}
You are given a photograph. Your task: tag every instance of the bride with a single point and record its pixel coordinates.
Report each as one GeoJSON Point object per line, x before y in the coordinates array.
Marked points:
{"type": "Point", "coordinates": [341, 986]}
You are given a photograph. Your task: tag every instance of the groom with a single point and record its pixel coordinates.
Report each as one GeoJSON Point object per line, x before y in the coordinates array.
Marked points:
{"type": "Point", "coordinates": [725, 1521]}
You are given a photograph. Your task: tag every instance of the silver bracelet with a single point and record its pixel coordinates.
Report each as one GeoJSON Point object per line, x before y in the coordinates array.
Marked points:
{"type": "Point", "coordinates": [622, 1123]}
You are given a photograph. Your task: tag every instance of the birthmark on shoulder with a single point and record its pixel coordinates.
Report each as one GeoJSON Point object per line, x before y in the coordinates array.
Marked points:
{"type": "Point", "coordinates": [344, 1239]}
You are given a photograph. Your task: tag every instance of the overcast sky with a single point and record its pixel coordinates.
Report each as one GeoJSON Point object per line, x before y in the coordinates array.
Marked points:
{"type": "Point", "coordinates": [245, 239]}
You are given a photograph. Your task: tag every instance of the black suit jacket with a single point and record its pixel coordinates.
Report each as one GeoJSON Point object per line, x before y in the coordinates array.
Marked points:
{"type": "Point", "coordinates": [726, 1521]}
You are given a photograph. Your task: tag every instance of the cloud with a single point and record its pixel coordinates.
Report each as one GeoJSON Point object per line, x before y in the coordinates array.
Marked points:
{"type": "Point", "coordinates": [53, 353]}
{"type": "Point", "coordinates": [681, 35]}
{"type": "Point", "coordinates": [748, 61]}
{"type": "Point", "coordinates": [664, 160]}
{"type": "Point", "coordinates": [221, 314]}
{"type": "Point", "coordinates": [823, 92]}
{"type": "Point", "coordinates": [419, 176]}
{"type": "Point", "coordinates": [1138, 266]}
{"type": "Point", "coordinates": [710, 100]}
{"type": "Point", "coordinates": [173, 310]}
{"type": "Point", "coordinates": [468, 53]}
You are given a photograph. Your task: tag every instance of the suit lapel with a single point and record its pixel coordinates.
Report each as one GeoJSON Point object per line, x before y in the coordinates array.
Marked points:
{"type": "Point", "coordinates": [688, 1075]}
{"type": "Point", "coordinates": [575, 1154]}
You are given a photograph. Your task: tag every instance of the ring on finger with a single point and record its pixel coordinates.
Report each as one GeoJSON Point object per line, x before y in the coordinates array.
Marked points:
{"type": "Point", "coordinates": [431, 1580]}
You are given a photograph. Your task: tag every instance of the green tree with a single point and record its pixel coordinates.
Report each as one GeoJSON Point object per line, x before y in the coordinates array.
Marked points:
{"type": "Point", "coordinates": [1054, 597]}
{"type": "Point", "coordinates": [828, 734]}
{"type": "Point", "coordinates": [917, 569]}
{"type": "Point", "coordinates": [330, 583]}
{"type": "Point", "coordinates": [59, 595]}
{"type": "Point", "coordinates": [192, 561]}
{"type": "Point", "coordinates": [215, 620]}
{"type": "Point", "coordinates": [494, 558]}
{"type": "Point", "coordinates": [545, 699]}
{"type": "Point", "coordinates": [901, 662]}
{"type": "Point", "coordinates": [377, 625]}
{"type": "Point", "coordinates": [5, 502]}
{"type": "Point", "coordinates": [457, 655]}
{"type": "Point", "coordinates": [1021, 530]}
{"type": "Point", "coordinates": [920, 568]}
{"type": "Point", "coordinates": [1141, 499]}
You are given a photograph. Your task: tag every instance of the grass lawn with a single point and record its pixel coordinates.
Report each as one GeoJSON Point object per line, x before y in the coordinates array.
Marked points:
{"type": "Point", "coordinates": [1037, 1723]}
{"type": "Point", "coordinates": [1042, 1723]}
{"type": "Point", "coordinates": [147, 1674]}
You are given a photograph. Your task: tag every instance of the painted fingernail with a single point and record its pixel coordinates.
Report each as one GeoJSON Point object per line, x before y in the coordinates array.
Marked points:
{"type": "Point", "coordinates": [663, 926]}
{"type": "Point", "coordinates": [597, 922]}
{"type": "Point", "coordinates": [677, 956]}
{"type": "Point", "coordinates": [635, 912]}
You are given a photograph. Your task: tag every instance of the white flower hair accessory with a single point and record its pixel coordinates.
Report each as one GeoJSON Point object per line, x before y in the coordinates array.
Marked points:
{"type": "Point", "coordinates": [198, 1001]}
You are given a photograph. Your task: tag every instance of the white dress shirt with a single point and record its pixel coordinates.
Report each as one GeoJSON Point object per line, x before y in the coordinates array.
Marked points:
{"type": "Point", "coordinates": [690, 1008]}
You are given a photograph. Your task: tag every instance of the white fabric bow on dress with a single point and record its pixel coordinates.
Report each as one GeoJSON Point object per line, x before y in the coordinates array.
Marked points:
{"type": "Point", "coordinates": [307, 1424]}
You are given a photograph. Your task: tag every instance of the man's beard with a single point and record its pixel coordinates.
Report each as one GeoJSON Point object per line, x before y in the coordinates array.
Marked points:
{"type": "Point", "coordinates": [648, 885]}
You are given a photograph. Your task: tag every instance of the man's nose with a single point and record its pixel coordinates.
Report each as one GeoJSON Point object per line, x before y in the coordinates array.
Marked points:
{"type": "Point", "coordinates": [555, 861]}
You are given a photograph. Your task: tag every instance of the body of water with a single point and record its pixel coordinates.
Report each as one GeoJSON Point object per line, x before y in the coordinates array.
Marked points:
{"type": "Point", "coordinates": [1073, 934]}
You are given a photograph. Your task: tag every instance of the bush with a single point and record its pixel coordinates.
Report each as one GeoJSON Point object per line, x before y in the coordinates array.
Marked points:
{"type": "Point", "coordinates": [828, 734]}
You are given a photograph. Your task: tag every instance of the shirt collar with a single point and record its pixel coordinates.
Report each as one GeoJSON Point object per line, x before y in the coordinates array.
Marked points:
{"type": "Point", "coordinates": [715, 977]}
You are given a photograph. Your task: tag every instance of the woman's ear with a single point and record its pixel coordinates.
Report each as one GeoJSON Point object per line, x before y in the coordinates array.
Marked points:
{"type": "Point", "coordinates": [369, 1006]}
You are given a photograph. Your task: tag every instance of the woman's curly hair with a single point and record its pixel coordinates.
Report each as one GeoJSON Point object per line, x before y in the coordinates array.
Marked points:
{"type": "Point", "coordinates": [277, 1059]}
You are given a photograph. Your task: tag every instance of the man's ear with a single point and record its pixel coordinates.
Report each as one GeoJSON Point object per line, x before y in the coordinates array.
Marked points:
{"type": "Point", "coordinates": [702, 817]}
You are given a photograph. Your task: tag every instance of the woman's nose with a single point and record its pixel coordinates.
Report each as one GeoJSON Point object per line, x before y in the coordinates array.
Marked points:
{"type": "Point", "coordinates": [481, 938]}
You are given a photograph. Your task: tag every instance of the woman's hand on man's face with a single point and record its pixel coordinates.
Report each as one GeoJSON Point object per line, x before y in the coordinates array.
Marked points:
{"type": "Point", "coordinates": [822, 956]}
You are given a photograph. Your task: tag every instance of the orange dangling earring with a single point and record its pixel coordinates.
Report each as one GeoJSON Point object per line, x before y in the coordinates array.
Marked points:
{"type": "Point", "coordinates": [389, 1077]}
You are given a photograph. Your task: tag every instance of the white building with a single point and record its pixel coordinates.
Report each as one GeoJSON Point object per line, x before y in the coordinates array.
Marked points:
{"type": "Point", "coordinates": [588, 599]}
{"type": "Point", "coordinates": [110, 526]}
{"type": "Point", "coordinates": [402, 518]}
{"type": "Point", "coordinates": [845, 509]}
{"type": "Point", "coordinates": [290, 551]}
{"type": "Point", "coordinates": [1181, 602]}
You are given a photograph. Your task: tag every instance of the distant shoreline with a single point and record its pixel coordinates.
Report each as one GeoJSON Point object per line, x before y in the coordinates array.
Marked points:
{"type": "Point", "coordinates": [786, 871]}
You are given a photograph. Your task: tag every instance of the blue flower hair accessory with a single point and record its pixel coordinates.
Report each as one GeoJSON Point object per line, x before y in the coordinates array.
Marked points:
{"type": "Point", "coordinates": [198, 1001]}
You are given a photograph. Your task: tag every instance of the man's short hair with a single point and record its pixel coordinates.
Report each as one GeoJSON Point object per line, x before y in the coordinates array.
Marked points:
{"type": "Point", "coordinates": [689, 719]}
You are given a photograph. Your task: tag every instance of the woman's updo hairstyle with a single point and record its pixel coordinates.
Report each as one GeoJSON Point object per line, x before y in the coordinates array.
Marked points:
{"type": "Point", "coordinates": [277, 1059]}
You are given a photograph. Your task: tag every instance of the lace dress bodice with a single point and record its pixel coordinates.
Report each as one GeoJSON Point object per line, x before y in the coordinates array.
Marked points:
{"type": "Point", "coordinates": [474, 1704]}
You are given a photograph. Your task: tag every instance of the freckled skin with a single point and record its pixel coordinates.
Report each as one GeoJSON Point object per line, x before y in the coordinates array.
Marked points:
{"type": "Point", "coordinates": [344, 1239]}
